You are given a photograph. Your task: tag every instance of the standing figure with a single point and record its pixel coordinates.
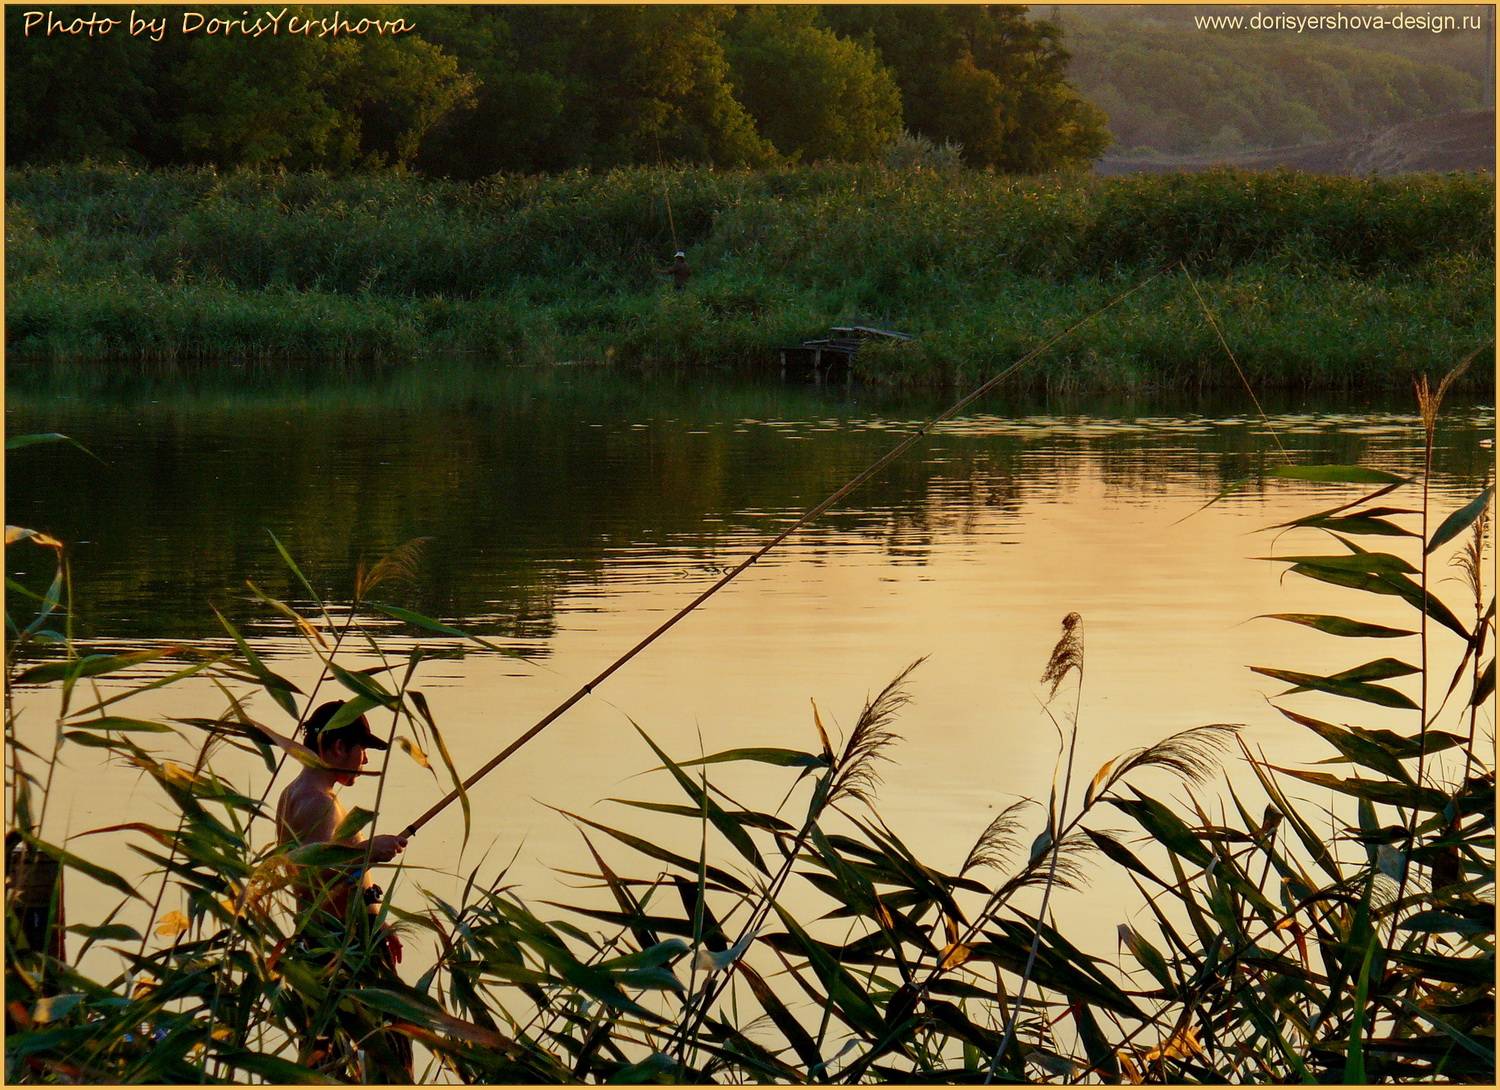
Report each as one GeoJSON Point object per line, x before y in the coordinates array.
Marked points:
{"type": "Point", "coordinates": [679, 271]}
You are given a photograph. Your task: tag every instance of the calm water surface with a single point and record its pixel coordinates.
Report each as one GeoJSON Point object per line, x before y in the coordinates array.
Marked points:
{"type": "Point", "coordinates": [568, 512]}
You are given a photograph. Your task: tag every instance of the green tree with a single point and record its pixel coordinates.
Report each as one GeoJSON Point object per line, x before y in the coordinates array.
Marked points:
{"type": "Point", "coordinates": [813, 94]}
{"type": "Point", "coordinates": [987, 77]}
{"type": "Point", "coordinates": [302, 101]}
{"type": "Point", "coordinates": [654, 81]}
{"type": "Point", "coordinates": [69, 98]}
{"type": "Point", "coordinates": [261, 106]}
{"type": "Point", "coordinates": [515, 118]}
{"type": "Point", "coordinates": [396, 90]}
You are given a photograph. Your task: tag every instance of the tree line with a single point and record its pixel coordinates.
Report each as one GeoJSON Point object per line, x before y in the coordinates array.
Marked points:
{"type": "Point", "coordinates": [477, 90]}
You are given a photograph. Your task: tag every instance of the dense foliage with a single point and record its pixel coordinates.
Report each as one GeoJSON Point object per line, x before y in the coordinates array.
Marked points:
{"type": "Point", "coordinates": [474, 90]}
{"type": "Point", "coordinates": [1347, 938]}
{"type": "Point", "coordinates": [1318, 281]}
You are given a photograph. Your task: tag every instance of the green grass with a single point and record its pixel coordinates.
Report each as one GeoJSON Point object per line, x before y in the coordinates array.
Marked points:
{"type": "Point", "coordinates": [1321, 282]}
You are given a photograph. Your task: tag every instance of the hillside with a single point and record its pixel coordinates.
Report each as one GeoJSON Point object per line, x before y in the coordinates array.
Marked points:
{"type": "Point", "coordinates": [1173, 91]}
{"type": "Point", "coordinates": [1462, 141]}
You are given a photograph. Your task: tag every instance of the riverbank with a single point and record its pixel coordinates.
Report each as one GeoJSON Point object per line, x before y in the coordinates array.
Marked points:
{"type": "Point", "coordinates": [1316, 282]}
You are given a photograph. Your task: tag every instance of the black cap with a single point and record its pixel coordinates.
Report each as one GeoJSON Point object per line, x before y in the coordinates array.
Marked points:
{"type": "Point", "coordinates": [356, 732]}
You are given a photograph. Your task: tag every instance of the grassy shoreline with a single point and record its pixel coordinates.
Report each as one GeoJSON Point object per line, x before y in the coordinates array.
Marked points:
{"type": "Point", "coordinates": [1317, 282]}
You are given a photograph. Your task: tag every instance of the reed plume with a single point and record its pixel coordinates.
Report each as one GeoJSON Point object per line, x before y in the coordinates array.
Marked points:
{"type": "Point", "coordinates": [1192, 754]}
{"type": "Point", "coordinates": [997, 845]}
{"type": "Point", "coordinates": [400, 564]}
{"type": "Point", "coordinates": [856, 775]}
{"type": "Point", "coordinates": [1066, 656]}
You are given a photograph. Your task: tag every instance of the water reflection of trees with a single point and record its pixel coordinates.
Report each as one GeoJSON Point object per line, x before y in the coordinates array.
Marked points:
{"type": "Point", "coordinates": [533, 490]}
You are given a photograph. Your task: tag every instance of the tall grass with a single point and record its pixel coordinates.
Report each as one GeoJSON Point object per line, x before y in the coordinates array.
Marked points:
{"type": "Point", "coordinates": [1278, 952]}
{"type": "Point", "coordinates": [110, 263]}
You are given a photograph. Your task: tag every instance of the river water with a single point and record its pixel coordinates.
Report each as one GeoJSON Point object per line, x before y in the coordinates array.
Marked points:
{"type": "Point", "coordinates": [567, 512]}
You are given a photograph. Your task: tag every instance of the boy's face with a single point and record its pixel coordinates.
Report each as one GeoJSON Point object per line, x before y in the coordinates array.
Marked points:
{"type": "Point", "coordinates": [345, 758]}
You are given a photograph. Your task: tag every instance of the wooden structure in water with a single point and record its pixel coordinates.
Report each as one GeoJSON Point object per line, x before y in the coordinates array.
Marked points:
{"type": "Point", "coordinates": [827, 359]}
{"type": "Point", "coordinates": [34, 891]}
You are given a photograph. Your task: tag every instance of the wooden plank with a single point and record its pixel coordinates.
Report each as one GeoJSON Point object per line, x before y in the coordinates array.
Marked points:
{"type": "Point", "coordinates": [871, 331]}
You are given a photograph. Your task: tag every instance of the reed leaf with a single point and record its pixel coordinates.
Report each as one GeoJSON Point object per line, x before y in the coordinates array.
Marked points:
{"type": "Point", "coordinates": [1117, 852]}
{"type": "Point", "coordinates": [1460, 520]}
{"type": "Point", "coordinates": [309, 630]}
{"type": "Point", "coordinates": [1484, 688]}
{"type": "Point", "coordinates": [1340, 626]}
{"type": "Point", "coordinates": [279, 688]}
{"type": "Point", "coordinates": [1364, 524]}
{"type": "Point", "coordinates": [731, 829]}
{"type": "Point", "coordinates": [1360, 750]}
{"type": "Point", "coordinates": [1362, 562]}
{"type": "Point", "coordinates": [1485, 1054]}
{"type": "Point", "coordinates": [748, 818]}
{"type": "Point", "coordinates": [114, 723]}
{"type": "Point", "coordinates": [412, 1009]}
{"type": "Point", "coordinates": [1149, 957]}
{"type": "Point", "coordinates": [1388, 583]}
{"type": "Point", "coordinates": [157, 683]}
{"type": "Point", "coordinates": [798, 1038]}
{"type": "Point", "coordinates": [1166, 826]}
{"type": "Point", "coordinates": [363, 686]}
{"type": "Point", "coordinates": [415, 752]}
{"type": "Point", "coordinates": [768, 755]}
{"type": "Point", "coordinates": [1381, 791]}
{"type": "Point", "coordinates": [19, 442]}
{"type": "Point", "coordinates": [845, 995]}
{"type": "Point", "coordinates": [99, 874]}
{"type": "Point", "coordinates": [723, 878]}
{"type": "Point", "coordinates": [1382, 695]}
{"type": "Point", "coordinates": [94, 665]}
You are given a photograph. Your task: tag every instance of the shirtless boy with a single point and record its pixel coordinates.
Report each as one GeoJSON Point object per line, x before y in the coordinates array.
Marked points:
{"type": "Point", "coordinates": [309, 811]}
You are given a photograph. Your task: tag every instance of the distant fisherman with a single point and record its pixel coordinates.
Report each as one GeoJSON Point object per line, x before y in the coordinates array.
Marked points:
{"type": "Point", "coordinates": [679, 272]}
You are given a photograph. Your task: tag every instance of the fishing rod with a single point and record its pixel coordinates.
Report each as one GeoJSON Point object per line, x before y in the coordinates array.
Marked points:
{"type": "Point", "coordinates": [667, 196]}
{"type": "Point", "coordinates": [729, 576]}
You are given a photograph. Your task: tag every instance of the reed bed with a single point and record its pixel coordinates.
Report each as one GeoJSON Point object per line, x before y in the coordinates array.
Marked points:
{"type": "Point", "coordinates": [110, 263]}
{"type": "Point", "coordinates": [1279, 951]}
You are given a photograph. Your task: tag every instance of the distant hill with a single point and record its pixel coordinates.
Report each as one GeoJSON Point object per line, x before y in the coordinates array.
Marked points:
{"type": "Point", "coordinates": [1462, 141]}
{"type": "Point", "coordinates": [1172, 90]}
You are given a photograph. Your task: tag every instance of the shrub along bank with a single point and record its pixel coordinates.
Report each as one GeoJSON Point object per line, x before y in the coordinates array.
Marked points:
{"type": "Point", "coordinates": [1327, 282]}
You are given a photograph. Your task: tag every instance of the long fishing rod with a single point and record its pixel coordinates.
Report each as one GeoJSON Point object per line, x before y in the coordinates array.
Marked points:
{"type": "Point", "coordinates": [661, 166]}
{"type": "Point", "coordinates": [729, 576]}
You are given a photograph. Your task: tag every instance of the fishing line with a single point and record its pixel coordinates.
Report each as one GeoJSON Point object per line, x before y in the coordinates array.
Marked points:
{"type": "Point", "coordinates": [808, 516]}
{"type": "Point", "coordinates": [1230, 353]}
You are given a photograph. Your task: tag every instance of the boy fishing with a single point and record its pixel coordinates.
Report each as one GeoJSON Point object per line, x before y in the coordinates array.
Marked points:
{"type": "Point", "coordinates": [338, 904]}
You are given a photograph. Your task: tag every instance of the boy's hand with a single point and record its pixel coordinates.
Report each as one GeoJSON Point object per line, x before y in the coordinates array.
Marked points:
{"type": "Point", "coordinates": [385, 847]}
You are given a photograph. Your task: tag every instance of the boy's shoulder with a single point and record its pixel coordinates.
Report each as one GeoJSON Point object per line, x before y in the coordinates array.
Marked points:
{"type": "Point", "coordinates": [307, 811]}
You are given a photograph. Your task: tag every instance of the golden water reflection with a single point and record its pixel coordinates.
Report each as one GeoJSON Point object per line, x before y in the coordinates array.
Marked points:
{"type": "Point", "coordinates": [976, 578]}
